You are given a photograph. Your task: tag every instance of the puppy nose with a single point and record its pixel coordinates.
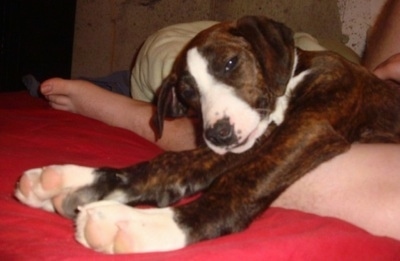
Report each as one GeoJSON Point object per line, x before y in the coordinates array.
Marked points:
{"type": "Point", "coordinates": [221, 133]}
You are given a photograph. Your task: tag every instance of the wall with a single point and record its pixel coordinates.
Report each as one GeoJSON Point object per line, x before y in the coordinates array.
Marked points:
{"type": "Point", "coordinates": [357, 17]}
{"type": "Point", "coordinates": [108, 33]}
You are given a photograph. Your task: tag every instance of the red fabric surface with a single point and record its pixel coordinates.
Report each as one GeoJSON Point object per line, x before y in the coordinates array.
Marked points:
{"type": "Point", "coordinates": [33, 135]}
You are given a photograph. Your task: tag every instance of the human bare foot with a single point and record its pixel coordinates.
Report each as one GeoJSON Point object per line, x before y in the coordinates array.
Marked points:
{"type": "Point", "coordinates": [67, 95]}
{"type": "Point", "coordinates": [85, 98]}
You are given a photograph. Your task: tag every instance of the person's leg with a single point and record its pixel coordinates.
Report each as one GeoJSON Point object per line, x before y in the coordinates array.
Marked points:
{"type": "Point", "coordinates": [384, 39]}
{"type": "Point", "coordinates": [87, 99]}
{"type": "Point", "coordinates": [361, 186]}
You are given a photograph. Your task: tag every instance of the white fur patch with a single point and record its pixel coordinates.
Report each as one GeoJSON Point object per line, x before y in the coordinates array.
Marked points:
{"type": "Point", "coordinates": [111, 227]}
{"type": "Point", "coordinates": [218, 101]}
{"type": "Point", "coordinates": [282, 102]}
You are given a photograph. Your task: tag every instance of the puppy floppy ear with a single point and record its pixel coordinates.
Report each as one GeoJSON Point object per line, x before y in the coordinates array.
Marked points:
{"type": "Point", "coordinates": [273, 45]}
{"type": "Point", "coordinates": [168, 104]}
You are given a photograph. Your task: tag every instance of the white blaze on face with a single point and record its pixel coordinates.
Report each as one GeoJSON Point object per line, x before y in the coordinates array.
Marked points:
{"type": "Point", "coordinates": [219, 101]}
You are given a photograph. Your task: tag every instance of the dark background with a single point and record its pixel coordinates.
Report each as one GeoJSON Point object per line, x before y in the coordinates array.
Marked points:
{"type": "Point", "coordinates": [36, 38]}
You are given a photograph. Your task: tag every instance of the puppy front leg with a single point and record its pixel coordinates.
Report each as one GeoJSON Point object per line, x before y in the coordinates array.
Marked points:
{"type": "Point", "coordinates": [161, 181]}
{"type": "Point", "coordinates": [169, 177]}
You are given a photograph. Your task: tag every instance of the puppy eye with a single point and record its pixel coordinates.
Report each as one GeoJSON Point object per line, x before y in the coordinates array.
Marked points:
{"type": "Point", "coordinates": [188, 93]}
{"type": "Point", "coordinates": [231, 64]}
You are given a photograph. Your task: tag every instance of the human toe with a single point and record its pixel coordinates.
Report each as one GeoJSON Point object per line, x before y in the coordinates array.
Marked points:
{"type": "Point", "coordinates": [54, 86]}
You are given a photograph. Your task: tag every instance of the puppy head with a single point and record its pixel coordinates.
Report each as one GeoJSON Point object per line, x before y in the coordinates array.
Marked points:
{"type": "Point", "coordinates": [232, 74]}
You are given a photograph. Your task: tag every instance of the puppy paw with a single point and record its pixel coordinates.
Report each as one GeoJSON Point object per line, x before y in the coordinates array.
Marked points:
{"type": "Point", "coordinates": [111, 227]}
{"type": "Point", "coordinates": [47, 187]}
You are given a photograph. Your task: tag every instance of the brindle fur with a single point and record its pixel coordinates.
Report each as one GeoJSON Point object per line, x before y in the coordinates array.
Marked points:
{"type": "Point", "coordinates": [337, 104]}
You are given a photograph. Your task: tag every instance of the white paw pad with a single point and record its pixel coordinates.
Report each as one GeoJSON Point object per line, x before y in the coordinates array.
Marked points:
{"type": "Point", "coordinates": [31, 192]}
{"type": "Point", "coordinates": [44, 187]}
{"type": "Point", "coordinates": [111, 227]}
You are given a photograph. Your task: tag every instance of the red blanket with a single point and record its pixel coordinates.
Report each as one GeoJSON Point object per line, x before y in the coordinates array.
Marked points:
{"type": "Point", "coordinates": [33, 135]}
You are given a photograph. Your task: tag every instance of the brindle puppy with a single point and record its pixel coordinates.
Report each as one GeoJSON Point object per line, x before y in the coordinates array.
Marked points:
{"type": "Point", "coordinates": [270, 112]}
